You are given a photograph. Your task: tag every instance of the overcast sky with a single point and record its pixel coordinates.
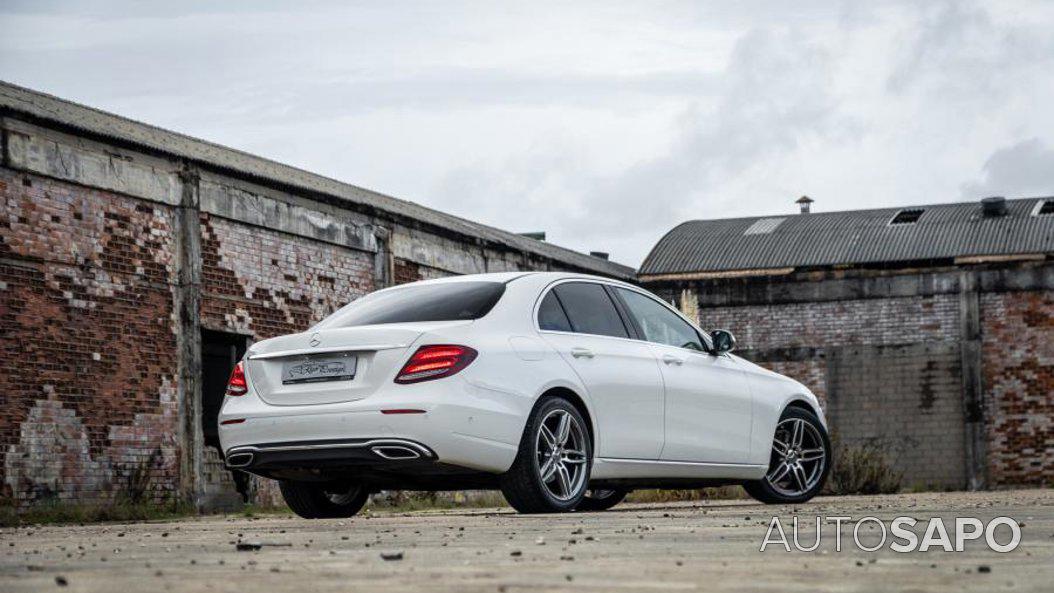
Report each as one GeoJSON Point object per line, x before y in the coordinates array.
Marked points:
{"type": "Point", "coordinates": [603, 123]}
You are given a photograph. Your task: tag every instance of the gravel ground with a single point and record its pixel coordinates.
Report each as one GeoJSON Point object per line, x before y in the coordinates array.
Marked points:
{"type": "Point", "coordinates": [683, 546]}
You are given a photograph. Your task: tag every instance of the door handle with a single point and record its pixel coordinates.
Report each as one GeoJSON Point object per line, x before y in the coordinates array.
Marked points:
{"type": "Point", "coordinates": [581, 353]}
{"type": "Point", "coordinates": [670, 359]}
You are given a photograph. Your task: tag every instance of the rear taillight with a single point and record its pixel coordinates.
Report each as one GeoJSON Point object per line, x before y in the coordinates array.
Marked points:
{"type": "Point", "coordinates": [237, 384]}
{"type": "Point", "coordinates": [434, 362]}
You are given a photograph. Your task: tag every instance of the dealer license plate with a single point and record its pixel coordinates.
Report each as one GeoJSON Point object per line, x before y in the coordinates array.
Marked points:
{"type": "Point", "coordinates": [319, 368]}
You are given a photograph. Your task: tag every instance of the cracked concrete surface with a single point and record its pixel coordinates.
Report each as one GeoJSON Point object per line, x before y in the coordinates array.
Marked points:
{"type": "Point", "coordinates": [709, 546]}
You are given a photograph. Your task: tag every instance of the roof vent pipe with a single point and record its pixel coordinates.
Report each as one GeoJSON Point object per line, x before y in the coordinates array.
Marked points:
{"type": "Point", "coordinates": [993, 207]}
{"type": "Point", "coordinates": [600, 254]}
{"type": "Point", "coordinates": [804, 202]}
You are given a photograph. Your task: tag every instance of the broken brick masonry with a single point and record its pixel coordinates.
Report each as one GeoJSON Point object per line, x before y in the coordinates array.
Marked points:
{"type": "Point", "coordinates": [120, 243]}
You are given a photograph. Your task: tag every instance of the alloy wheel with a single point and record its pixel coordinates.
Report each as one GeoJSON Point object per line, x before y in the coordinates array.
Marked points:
{"type": "Point", "coordinates": [799, 457]}
{"type": "Point", "coordinates": [560, 448]}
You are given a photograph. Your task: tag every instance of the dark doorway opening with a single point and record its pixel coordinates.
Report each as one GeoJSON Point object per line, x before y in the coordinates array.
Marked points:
{"type": "Point", "coordinates": [220, 351]}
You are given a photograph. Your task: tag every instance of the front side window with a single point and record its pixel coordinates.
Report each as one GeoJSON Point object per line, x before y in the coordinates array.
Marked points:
{"type": "Point", "coordinates": [659, 324]}
{"type": "Point", "coordinates": [590, 309]}
{"type": "Point", "coordinates": [445, 301]}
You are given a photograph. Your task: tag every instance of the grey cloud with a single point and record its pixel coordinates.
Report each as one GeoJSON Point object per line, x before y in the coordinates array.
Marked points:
{"type": "Point", "coordinates": [772, 94]}
{"type": "Point", "coordinates": [603, 123]}
{"type": "Point", "coordinates": [1022, 169]}
{"type": "Point", "coordinates": [956, 48]}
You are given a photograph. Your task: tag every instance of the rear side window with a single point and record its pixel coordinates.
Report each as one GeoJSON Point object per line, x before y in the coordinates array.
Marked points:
{"type": "Point", "coordinates": [659, 324]}
{"type": "Point", "coordinates": [551, 315]}
{"type": "Point", "coordinates": [590, 310]}
{"type": "Point", "coordinates": [451, 301]}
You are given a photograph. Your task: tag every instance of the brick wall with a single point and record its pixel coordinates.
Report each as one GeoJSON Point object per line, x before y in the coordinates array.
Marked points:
{"type": "Point", "coordinates": [107, 247]}
{"type": "Point", "coordinates": [906, 400]}
{"type": "Point", "coordinates": [886, 371]}
{"type": "Point", "coordinates": [890, 370]}
{"type": "Point", "coordinates": [1018, 379]}
{"type": "Point", "coordinates": [88, 377]}
{"type": "Point", "coordinates": [901, 320]}
{"type": "Point", "coordinates": [263, 283]}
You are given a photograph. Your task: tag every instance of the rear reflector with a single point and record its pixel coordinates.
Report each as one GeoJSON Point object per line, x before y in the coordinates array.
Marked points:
{"type": "Point", "coordinates": [434, 362]}
{"type": "Point", "coordinates": [233, 421]}
{"type": "Point", "coordinates": [237, 385]}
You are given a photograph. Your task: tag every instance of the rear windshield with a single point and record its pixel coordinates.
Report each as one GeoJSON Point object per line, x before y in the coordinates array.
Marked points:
{"type": "Point", "coordinates": [451, 301]}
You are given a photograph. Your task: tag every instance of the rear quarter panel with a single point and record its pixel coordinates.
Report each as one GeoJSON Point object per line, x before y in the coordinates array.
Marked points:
{"type": "Point", "coordinates": [513, 369]}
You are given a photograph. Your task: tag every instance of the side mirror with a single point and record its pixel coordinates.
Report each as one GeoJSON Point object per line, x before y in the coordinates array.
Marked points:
{"type": "Point", "coordinates": [723, 341]}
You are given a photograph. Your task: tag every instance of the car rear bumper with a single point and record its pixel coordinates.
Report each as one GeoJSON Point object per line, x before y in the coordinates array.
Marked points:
{"type": "Point", "coordinates": [322, 454]}
{"type": "Point", "coordinates": [451, 422]}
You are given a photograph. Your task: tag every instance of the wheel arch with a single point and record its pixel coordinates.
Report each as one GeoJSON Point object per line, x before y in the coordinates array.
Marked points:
{"type": "Point", "coordinates": [578, 402]}
{"type": "Point", "coordinates": [804, 404]}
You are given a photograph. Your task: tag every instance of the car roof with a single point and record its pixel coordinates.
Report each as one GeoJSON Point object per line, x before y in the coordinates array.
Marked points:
{"type": "Point", "coordinates": [510, 276]}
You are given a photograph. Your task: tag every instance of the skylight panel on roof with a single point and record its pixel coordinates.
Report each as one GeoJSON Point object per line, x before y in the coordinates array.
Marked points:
{"type": "Point", "coordinates": [1046, 208]}
{"type": "Point", "coordinates": [910, 216]}
{"type": "Point", "coordinates": [763, 226]}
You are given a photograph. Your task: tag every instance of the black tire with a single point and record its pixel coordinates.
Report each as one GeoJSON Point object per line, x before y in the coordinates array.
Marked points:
{"type": "Point", "coordinates": [764, 491]}
{"type": "Point", "coordinates": [316, 500]}
{"type": "Point", "coordinates": [522, 485]}
{"type": "Point", "coordinates": [601, 500]}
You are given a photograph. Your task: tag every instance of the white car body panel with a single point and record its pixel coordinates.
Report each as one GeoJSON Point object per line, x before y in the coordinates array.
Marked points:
{"type": "Point", "coordinates": [709, 407]}
{"type": "Point", "coordinates": [642, 427]}
{"type": "Point", "coordinates": [622, 380]}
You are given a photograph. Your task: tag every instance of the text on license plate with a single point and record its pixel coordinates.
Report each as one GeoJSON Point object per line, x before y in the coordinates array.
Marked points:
{"type": "Point", "coordinates": [315, 369]}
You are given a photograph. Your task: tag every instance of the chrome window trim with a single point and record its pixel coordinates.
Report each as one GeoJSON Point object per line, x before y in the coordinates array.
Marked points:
{"type": "Point", "coordinates": [549, 287]}
{"type": "Point", "coordinates": [325, 350]}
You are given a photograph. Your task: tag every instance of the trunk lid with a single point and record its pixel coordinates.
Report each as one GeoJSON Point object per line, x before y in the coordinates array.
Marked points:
{"type": "Point", "coordinates": [332, 365]}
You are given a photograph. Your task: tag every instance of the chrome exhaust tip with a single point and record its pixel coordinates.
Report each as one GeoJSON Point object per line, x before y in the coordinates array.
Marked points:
{"type": "Point", "coordinates": [237, 460]}
{"type": "Point", "coordinates": [395, 452]}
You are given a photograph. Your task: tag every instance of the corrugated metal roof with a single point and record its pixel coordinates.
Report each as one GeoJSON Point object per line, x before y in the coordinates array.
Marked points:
{"type": "Point", "coordinates": [854, 237]}
{"type": "Point", "coordinates": [20, 100]}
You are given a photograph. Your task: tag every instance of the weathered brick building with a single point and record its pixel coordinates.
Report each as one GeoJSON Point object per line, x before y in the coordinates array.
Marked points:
{"type": "Point", "coordinates": [928, 331]}
{"type": "Point", "coordinates": [136, 263]}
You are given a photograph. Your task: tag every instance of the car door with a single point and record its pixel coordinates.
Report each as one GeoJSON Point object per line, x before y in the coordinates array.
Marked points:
{"type": "Point", "coordinates": [580, 320]}
{"type": "Point", "coordinates": [708, 408]}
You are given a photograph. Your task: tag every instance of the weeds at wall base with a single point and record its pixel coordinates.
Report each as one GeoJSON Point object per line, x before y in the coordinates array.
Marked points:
{"type": "Point", "coordinates": [57, 512]}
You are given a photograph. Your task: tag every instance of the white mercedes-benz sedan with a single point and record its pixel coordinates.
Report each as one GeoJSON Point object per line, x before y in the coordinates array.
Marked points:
{"type": "Point", "coordinates": [565, 391]}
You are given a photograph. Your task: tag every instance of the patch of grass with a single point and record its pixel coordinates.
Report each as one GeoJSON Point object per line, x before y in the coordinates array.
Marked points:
{"type": "Point", "coordinates": [251, 511]}
{"type": "Point", "coordinates": [862, 469]}
{"type": "Point", "coordinates": [56, 511]}
{"type": "Point", "coordinates": [716, 493]}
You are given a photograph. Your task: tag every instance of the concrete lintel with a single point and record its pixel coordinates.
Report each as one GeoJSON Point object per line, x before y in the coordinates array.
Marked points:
{"type": "Point", "coordinates": [835, 287]}
{"type": "Point", "coordinates": [704, 275]}
{"type": "Point", "coordinates": [436, 252]}
{"type": "Point", "coordinates": [257, 206]}
{"type": "Point", "coordinates": [55, 154]}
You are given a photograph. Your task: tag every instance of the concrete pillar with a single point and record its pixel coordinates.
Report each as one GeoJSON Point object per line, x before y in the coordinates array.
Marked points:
{"type": "Point", "coordinates": [383, 262]}
{"type": "Point", "coordinates": [972, 389]}
{"type": "Point", "coordinates": [187, 305]}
